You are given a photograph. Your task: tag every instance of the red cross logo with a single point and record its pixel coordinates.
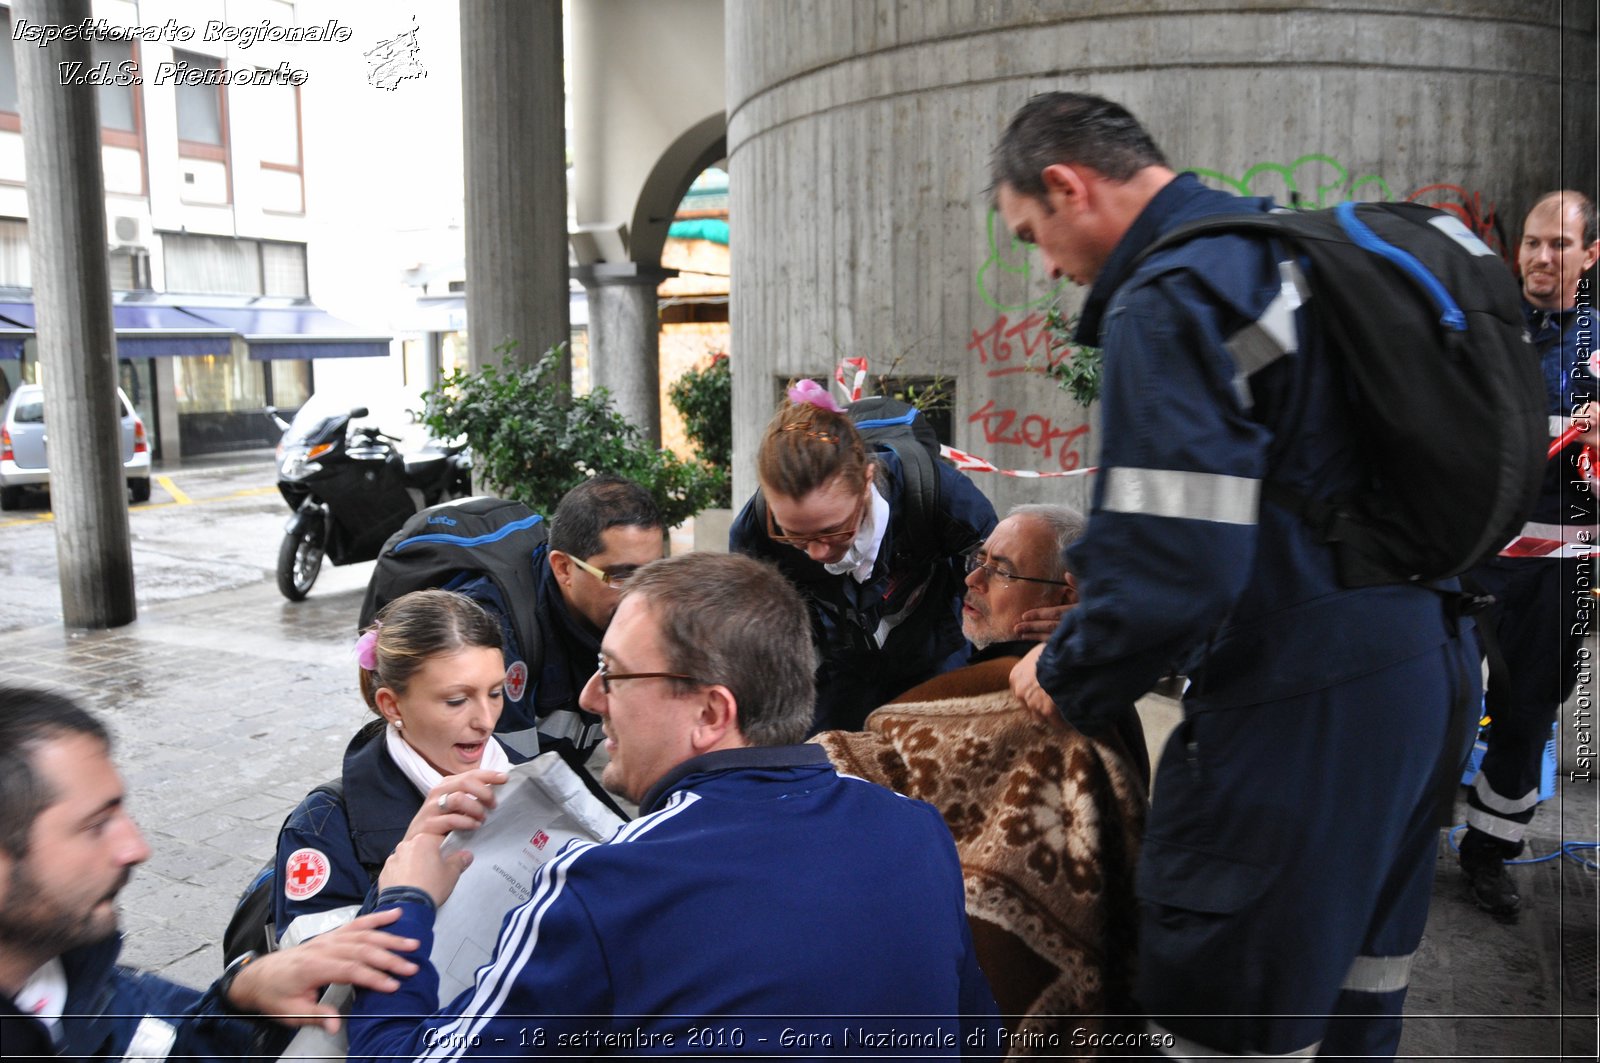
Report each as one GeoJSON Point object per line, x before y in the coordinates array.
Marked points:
{"type": "Point", "coordinates": [305, 873]}
{"type": "Point", "coordinates": [540, 839]}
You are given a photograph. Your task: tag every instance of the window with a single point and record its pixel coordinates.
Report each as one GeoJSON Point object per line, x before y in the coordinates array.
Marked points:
{"type": "Point", "coordinates": [119, 104]}
{"type": "Point", "coordinates": [283, 269]}
{"type": "Point", "coordinates": [202, 111]}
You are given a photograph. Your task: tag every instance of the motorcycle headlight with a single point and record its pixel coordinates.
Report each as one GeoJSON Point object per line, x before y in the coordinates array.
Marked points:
{"type": "Point", "coordinates": [296, 467]}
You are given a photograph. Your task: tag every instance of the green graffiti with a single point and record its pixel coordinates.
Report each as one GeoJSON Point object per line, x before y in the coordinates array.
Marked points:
{"type": "Point", "coordinates": [1004, 251]}
{"type": "Point", "coordinates": [1301, 178]}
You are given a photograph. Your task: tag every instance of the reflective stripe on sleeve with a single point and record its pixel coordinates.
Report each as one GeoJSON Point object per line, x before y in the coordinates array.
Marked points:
{"type": "Point", "coordinates": [1379, 974]}
{"type": "Point", "coordinates": [1270, 336]}
{"type": "Point", "coordinates": [1186, 495]}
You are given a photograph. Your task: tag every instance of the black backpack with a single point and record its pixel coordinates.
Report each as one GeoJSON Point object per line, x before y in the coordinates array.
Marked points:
{"type": "Point", "coordinates": [251, 929]}
{"type": "Point", "coordinates": [492, 536]}
{"type": "Point", "coordinates": [1426, 323]}
{"type": "Point", "coordinates": [900, 427]}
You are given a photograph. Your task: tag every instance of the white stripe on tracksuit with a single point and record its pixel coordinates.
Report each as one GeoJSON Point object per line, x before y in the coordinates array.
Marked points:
{"type": "Point", "coordinates": [520, 937]}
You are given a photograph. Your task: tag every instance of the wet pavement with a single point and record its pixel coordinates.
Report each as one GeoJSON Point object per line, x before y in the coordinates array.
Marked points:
{"type": "Point", "coordinates": [229, 703]}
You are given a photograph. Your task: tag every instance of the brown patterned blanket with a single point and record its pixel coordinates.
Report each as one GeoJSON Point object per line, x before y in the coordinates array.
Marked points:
{"type": "Point", "coordinates": [1047, 825]}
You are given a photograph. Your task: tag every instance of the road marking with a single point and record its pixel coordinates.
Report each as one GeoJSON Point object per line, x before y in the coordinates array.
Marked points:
{"type": "Point", "coordinates": [179, 498]}
{"type": "Point", "coordinates": [172, 489]}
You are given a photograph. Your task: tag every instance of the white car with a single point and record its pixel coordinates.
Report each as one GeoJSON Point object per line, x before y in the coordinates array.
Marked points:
{"type": "Point", "coordinates": [23, 444]}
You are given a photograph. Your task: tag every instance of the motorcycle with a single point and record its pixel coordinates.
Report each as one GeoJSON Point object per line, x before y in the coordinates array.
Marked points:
{"type": "Point", "coordinates": [350, 488]}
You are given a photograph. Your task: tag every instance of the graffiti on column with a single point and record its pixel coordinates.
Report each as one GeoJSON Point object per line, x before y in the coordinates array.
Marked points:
{"type": "Point", "coordinates": [1009, 257]}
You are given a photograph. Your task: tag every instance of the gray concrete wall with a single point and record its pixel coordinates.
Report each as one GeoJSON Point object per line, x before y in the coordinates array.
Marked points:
{"type": "Point", "coordinates": [859, 133]}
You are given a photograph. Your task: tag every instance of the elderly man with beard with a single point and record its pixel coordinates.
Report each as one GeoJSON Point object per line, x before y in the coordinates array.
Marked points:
{"type": "Point", "coordinates": [67, 847]}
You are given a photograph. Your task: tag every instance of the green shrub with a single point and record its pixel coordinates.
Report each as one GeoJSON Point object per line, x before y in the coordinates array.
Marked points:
{"type": "Point", "coordinates": [534, 442]}
{"type": "Point", "coordinates": [704, 397]}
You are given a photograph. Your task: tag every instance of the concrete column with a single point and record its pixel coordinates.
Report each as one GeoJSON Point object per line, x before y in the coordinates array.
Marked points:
{"type": "Point", "coordinates": [859, 137]}
{"type": "Point", "coordinates": [516, 186]}
{"type": "Point", "coordinates": [77, 343]}
{"type": "Point", "coordinates": [625, 339]}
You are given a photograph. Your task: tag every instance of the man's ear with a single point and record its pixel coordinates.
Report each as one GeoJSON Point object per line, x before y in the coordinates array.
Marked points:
{"type": "Point", "coordinates": [1063, 183]}
{"type": "Point", "coordinates": [1069, 593]}
{"type": "Point", "coordinates": [561, 565]}
{"type": "Point", "coordinates": [1591, 255]}
{"type": "Point", "coordinates": [716, 724]}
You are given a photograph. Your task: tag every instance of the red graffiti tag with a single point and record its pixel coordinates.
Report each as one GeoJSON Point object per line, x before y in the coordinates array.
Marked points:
{"type": "Point", "coordinates": [1033, 430]}
{"type": "Point", "coordinates": [1471, 208]}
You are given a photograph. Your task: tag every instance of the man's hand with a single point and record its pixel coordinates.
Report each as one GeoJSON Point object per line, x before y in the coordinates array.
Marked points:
{"type": "Point", "coordinates": [285, 985]}
{"type": "Point", "coordinates": [1025, 685]}
{"type": "Point", "coordinates": [418, 862]}
{"type": "Point", "coordinates": [1039, 624]}
{"type": "Point", "coordinates": [466, 799]}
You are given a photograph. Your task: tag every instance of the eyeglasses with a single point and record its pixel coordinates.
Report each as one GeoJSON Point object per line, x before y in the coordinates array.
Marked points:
{"type": "Point", "coordinates": [837, 537]}
{"type": "Point", "coordinates": [978, 559]}
{"type": "Point", "coordinates": [610, 579]}
{"type": "Point", "coordinates": [607, 677]}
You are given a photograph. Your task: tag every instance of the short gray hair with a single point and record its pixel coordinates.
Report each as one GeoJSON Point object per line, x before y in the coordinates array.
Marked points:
{"type": "Point", "coordinates": [1066, 523]}
{"type": "Point", "coordinates": [733, 620]}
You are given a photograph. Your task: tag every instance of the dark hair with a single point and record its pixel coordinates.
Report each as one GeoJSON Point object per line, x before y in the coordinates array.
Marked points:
{"type": "Point", "coordinates": [733, 620]}
{"type": "Point", "coordinates": [1585, 205]}
{"type": "Point", "coordinates": [1075, 128]}
{"type": "Point", "coordinates": [595, 505]}
{"type": "Point", "coordinates": [29, 718]}
{"type": "Point", "coordinates": [805, 447]}
{"type": "Point", "coordinates": [420, 625]}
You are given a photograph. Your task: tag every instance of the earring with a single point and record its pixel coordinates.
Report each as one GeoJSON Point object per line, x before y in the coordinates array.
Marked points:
{"type": "Point", "coordinates": [399, 723]}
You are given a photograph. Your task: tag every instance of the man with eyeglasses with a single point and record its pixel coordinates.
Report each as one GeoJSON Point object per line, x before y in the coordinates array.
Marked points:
{"type": "Point", "coordinates": [602, 531]}
{"type": "Point", "coordinates": [762, 904]}
{"type": "Point", "coordinates": [1047, 908]}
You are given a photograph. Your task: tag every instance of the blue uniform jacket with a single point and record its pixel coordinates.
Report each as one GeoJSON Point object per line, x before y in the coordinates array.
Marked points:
{"type": "Point", "coordinates": [762, 904]}
{"type": "Point", "coordinates": [112, 1011]}
{"type": "Point", "coordinates": [855, 675]}
{"type": "Point", "coordinates": [355, 835]}
{"type": "Point", "coordinates": [1182, 567]}
{"type": "Point", "coordinates": [549, 703]}
{"type": "Point", "coordinates": [1565, 341]}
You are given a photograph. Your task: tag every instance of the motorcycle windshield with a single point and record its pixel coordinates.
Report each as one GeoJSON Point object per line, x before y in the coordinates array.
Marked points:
{"type": "Point", "coordinates": [318, 421]}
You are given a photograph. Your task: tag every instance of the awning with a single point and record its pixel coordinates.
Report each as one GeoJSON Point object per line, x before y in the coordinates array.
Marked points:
{"type": "Point", "coordinates": [13, 334]}
{"type": "Point", "coordinates": [166, 325]}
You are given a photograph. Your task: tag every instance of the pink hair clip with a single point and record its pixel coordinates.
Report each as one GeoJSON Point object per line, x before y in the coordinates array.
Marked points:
{"type": "Point", "coordinates": [367, 650]}
{"type": "Point", "coordinates": [809, 392]}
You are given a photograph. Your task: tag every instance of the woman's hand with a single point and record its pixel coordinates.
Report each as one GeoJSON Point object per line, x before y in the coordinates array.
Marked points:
{"type": "Point", "coordinates": [459, 802]}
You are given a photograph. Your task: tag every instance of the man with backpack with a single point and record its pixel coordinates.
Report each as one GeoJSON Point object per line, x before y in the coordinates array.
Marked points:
{"type": "Point", "coordinates": [1288, 856]}
{"type": "Point", "coordinates": [1541, 580]}
{"type": "Point", "coordinates": [553, 597]}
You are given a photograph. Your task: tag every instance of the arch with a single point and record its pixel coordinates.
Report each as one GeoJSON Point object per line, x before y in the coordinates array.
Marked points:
{"type": "Point", "coordinates": [701, 145]}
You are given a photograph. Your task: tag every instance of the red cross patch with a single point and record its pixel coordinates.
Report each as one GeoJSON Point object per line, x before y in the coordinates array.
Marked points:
{"type": "Point", "coordinates": [304, 874]}
{"type": "Point", "coordinates": [540, 839]}
{"type": "Point", "coordinates": [516, 681]}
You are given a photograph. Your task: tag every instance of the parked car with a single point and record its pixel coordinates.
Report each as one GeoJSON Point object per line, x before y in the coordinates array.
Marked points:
{"type": "Point", "coordinates": [23, 445]}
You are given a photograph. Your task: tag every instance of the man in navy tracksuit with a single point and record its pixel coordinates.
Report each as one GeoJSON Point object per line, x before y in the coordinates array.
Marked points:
{"type": "Point", "coordinates": [761, 903]}
{"type": "Point", "coordinates": [1289, 851]}
{"type": "Point", "coordinates": [1541, 582]}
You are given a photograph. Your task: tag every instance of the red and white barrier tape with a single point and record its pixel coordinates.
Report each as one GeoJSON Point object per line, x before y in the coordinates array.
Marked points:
{"type": "Point", "coordinates": [972, 463]}
{"type": "Point", "coordinates": [852, 389]}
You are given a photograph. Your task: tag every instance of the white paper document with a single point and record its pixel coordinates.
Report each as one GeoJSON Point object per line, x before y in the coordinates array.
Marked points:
{"type": "Point", "coordinates": [540, 808]}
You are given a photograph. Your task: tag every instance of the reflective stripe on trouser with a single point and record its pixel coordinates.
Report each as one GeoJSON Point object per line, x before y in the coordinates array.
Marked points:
{"type": "Point", "coordinates": [1497, 816]}
{"type": "Point", "coordinates": [1176, 1046]}
{"type": "Point", "coordinates": [1183, 495]}
{"type": "Point", "coordinates": [1279, 897]}
{"type": "Point", "coordinates": [1379, 974]}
